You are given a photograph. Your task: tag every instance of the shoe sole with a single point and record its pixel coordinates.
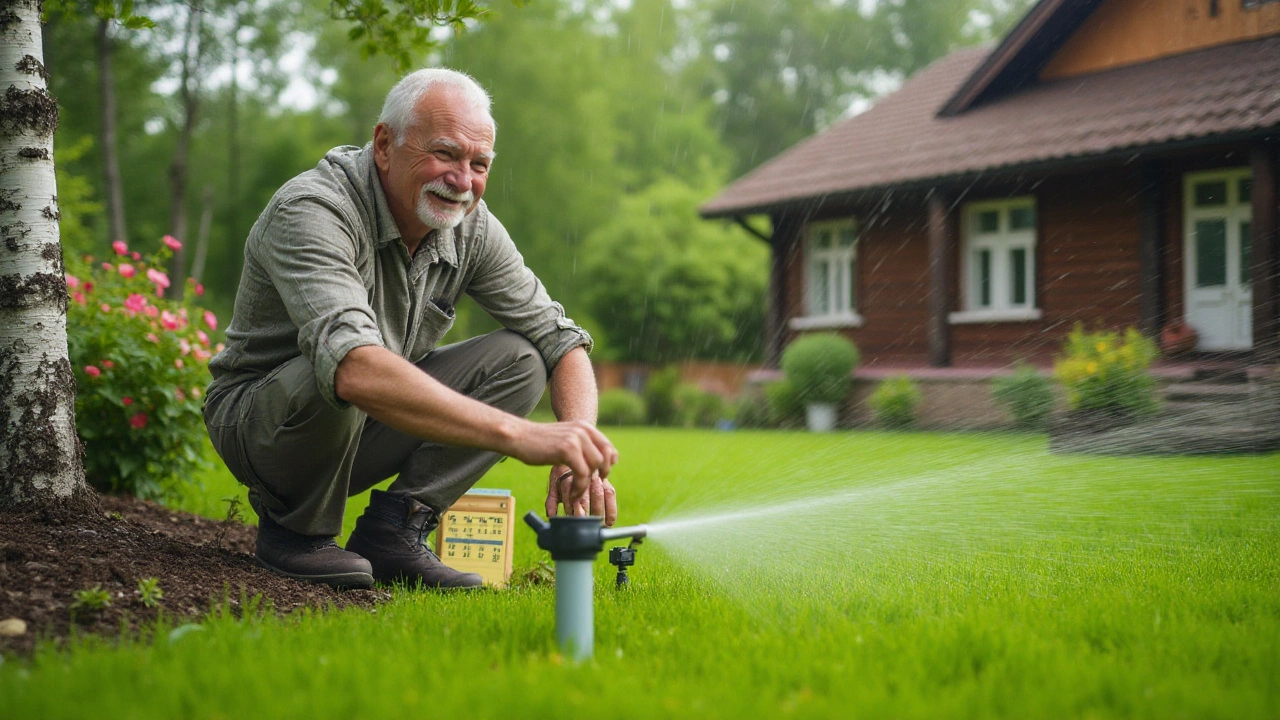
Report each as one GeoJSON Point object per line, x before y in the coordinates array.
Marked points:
{"type": "Point", "coordinates": [341, 581]}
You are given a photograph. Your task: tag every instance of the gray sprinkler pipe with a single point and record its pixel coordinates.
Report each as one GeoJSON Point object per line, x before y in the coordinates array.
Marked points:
{"type": "Point", "coordinates": [574, 543]}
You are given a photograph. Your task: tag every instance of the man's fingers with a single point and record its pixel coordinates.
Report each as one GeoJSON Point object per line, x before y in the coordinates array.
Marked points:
{"type": "Point", "coordinates": [610, 503]}
{"type": "Point", "coordinates": [596, 495]}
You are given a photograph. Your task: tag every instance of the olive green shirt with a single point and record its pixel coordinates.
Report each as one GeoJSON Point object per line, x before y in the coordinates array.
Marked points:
{"type": "Point", "coordinates": [325, 271]}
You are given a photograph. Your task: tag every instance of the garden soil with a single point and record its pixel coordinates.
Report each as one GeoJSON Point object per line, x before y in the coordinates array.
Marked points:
{"type": "Point", "coordinates": [46, 557]}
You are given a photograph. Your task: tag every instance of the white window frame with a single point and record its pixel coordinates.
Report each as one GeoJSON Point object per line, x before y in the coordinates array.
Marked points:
{"type": "Point", "coordinates": [840, 261]}
{"type": "Point", "coordinates": [1001, 243]}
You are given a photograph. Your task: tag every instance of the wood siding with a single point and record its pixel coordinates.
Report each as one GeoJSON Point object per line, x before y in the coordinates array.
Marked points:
{"type": "Point", "coordinates": [1125, 32]}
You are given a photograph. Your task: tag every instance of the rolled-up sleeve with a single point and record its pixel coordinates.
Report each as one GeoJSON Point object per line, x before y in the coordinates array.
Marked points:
{"type": "Point", "coordinates": [509, 291]}
{"type": "Point", "coordinates": [309, 251]}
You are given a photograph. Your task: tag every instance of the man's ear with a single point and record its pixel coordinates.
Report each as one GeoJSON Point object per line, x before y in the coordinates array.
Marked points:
{"type": "Point", "coordinates": [383, 137]}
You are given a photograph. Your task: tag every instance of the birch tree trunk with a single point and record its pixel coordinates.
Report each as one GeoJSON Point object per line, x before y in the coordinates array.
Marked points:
{"type": "Point", "coordinates": [40, 454]}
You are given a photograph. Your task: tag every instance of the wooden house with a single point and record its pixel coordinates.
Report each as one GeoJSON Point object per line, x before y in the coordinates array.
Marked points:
{"type": "Point", "coordinates": [1110, 162]}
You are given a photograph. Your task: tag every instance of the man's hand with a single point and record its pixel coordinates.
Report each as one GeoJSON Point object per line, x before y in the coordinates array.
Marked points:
{"type": "Point", "coordinates": [600, 498]}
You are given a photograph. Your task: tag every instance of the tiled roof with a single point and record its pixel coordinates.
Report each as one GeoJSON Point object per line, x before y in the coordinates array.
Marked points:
{"type": "Point", "coordinates": [1223, 91]}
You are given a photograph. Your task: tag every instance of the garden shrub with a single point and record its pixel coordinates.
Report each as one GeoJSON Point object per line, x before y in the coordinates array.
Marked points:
{"type": "Point", "coordinates": [785, 408]}
{"type": "Point", "coordinates": [819, 367]}
{"type": "Point", "coordinates": [895, 400]}
{"type": "Point", "coordinates": [660, 395]}
{"type": "Point", "coordinates": [696, 408]}
{"type": "Point", "coordinates": [751, 410]}
{"type": "Point", "coordinates": [1027, 394]}
{"type": "Point", "coordinates": [621, 406]}
{"type": "Point", "coordinates": [140, 362]}
{"type": "Point", "coordinates": [1103, 372]}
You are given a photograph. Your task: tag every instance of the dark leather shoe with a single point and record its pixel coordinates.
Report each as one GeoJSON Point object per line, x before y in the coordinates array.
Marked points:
{"type": "Point", "coordinates": [312, 558]}
{"type": "Point", "coordinates": [390, 535]}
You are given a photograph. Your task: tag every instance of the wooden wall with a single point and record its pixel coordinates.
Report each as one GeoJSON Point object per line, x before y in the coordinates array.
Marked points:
{"type": "Point", "coordinates": [1124, 32]}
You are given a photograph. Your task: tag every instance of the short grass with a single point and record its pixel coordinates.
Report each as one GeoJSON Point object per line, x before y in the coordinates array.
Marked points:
{"type": "Point", "coordinates": [974, 576]}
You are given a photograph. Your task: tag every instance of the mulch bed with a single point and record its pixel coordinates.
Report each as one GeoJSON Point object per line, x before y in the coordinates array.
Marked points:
{"type": "Point", "coordinates": [47, 555]}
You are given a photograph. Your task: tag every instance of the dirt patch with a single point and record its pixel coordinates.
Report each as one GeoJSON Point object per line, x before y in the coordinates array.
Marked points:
{"type": "Point", "coordinates": [46, 558]}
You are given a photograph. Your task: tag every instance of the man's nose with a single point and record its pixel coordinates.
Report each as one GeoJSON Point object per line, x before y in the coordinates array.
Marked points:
{"type": "Point", "coordinates": [459, 177]}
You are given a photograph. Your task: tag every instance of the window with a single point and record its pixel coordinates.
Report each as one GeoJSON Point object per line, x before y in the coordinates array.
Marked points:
{"type": "Point", "coordinates": [998, 262]}
{"type": "Point", "coordinates": [830, 276]}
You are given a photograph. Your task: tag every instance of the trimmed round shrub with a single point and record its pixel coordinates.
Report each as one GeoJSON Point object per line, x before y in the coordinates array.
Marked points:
{"type": "Point", "coordinates": [1027, 394]}
{"type": "Point", "coordinates": [895, 400]}
{"type": "Point", "coordinates": [660, 395]}
{"type": "Point", "coordinates": [140, 362]}
{"type": "Point", "coordinates": [785, 408]}
{"type": "Point", "coordinates": [696, 408]}
{"type": "Point", "coordinates": [820, 367]}
{"type": "Point", "coordinates": [621, 406]}
{"type": "Point", "coordinates": [751, 411]}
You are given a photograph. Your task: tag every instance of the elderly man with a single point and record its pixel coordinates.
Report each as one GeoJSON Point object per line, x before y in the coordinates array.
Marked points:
{"type": "Point", "coordinates": [331, 380]}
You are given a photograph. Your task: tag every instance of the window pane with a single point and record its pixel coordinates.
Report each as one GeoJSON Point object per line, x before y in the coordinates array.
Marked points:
{"type": "Point", "coordinates": [1211, 194]}
{"type": "Point", "coordinates": [989, 221]}
{"type": "Point", "coordinates": [1018, 258]}
{"type": "Point", "coordinates": [820, 297]}
{"type": "Point", "coordinates": [1246, 191]}
{"type": "Point", "coordinates": [1246, 250]}
{"type": "Point", "coordinates": [1022, 218]}
{"type": "Point", "coordinates": [1211, 253]}
{"type": "Point", "coordinates": [822, 239]}
{"type": "Point", "coordinates": [845, 237]}
{"type": "Point", "coordinates": [853, 287]}
{"type": "Point", "coordinates": [837, 282]}
{"type": "Point", "coordinates": [984, 278]}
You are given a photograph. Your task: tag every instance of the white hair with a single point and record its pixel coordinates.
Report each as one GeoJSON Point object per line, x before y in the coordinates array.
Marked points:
{"type": "Point", "coordinates": [398, 109]}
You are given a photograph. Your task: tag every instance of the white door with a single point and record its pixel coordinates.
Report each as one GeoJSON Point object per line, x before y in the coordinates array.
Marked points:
{"type": "Point", "coordinates": [1219, 297]}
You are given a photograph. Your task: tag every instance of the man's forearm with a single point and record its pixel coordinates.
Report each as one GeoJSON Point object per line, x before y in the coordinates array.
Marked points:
{"type": "Point", "coordinates": [573, 388]}
{"type": "Point", "coordinates": [394, 392]}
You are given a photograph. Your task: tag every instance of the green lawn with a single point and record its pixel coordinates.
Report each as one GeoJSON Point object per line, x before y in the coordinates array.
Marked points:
{"type": "Point", "coordinates": [852, 574]}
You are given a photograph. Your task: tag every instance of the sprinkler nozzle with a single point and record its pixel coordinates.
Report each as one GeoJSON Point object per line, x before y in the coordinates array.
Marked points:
{"type": "Point", "coordinates": [578, 538]}
{"type": "Point", "coordinates": [623, 558]}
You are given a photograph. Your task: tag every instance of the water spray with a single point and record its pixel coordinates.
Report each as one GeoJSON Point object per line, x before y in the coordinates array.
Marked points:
{"type": "Point", "coordinates": [574, 543]}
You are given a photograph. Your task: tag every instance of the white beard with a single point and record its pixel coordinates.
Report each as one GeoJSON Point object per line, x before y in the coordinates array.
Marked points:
{"type": "Point", "coordinates": [443, 218]}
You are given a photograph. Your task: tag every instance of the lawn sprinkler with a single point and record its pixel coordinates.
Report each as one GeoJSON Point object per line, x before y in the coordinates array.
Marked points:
{"type": "Point", "coordinates": [574, 543]}
{"type": "Point", "coordinates": [623, 558]}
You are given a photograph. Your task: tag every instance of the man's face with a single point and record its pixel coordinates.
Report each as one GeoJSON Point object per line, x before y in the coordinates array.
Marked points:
{"type": "Point", "coordinates": [438, 175]}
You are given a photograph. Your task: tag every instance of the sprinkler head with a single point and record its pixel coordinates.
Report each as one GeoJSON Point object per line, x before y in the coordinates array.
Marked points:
{"type": "Point", "coordinates": [578, 538]}
{"type": "Point", "coordinates": [623, 558]}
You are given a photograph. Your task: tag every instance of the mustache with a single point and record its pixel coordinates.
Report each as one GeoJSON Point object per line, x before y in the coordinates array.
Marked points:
{"type": "Point", "coordinates": [438, 187]}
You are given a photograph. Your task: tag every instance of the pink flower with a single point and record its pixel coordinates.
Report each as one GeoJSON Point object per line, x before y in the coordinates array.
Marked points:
{"type": "Point", "coordinates": [172, 243]}
{"type": "Point", "coordinates": [202, 337]}
{"type": "Point", "coordinates": [107, 267]}
{"type": "Point", "coordinates": [199, 289]}
{"type": "Point", "coordinates": [72, 281]}
{"type": "Point", "coordinates": [152, 337]}
{"type": "Point", "coordinates": [178, 363]}
{"type": "Point", "coordinates": [179, 395]}
{"type": "Point", "coordinates": [201, 354]}
{"type": "Point", "coordinates": [107, 364]}
{"type": "Point", "coordinates": [78, 297]}
{"type": "Point", "coordinates": [138, 421]}
{"type": "Point", "coordinates": [169, 320]}
{"type": "Point", "coordinates": [135, 255]}
{"type": "Point", "coordinates": [195, 392]}
{"type": "Point", "coordinates": [159, 279]}
{"type": "Point", "coordinates": [121, 248]}
{"type": "Point", "coordinates": [151, 311]}
{"type": "Point", "coordinates": [220, 347]}
{"type": "Point", "coordinates": [184, 346]}
{"type": "Point", "coordinates": [126, 401]}
{"type": "Point", "coordinates": [211, 320]}
{"type": "Point", "coordinates": [92, 371]}
{"type": "Point", "coordinates": [135, 302]}
{"type": "Point", "coordinates": [126, 270]}
{"type": "Point", "coordinates": [104, 308]}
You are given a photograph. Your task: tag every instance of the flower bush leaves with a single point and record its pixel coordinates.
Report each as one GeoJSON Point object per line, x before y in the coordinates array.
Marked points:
{"type": "Point", "coordinates": [1104, 372]}
{"type": "Point", "coordinates": [141, 365]}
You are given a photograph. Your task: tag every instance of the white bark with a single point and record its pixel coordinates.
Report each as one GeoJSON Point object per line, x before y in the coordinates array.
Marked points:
{"type": "Point", "coordinates": [39, 451]}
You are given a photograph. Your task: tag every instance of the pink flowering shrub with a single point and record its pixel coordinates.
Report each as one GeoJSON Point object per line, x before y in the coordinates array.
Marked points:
{"type": "Point", "coordinates": [141, 364]}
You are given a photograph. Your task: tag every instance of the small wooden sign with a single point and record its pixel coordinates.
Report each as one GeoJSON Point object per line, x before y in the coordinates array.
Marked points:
{"type": "Point", "coordinates": [477, 534]}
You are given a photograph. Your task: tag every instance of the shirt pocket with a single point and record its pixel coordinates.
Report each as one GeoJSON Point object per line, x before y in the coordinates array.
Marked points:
{"type": "Point", "coordinates": [435, 323]}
